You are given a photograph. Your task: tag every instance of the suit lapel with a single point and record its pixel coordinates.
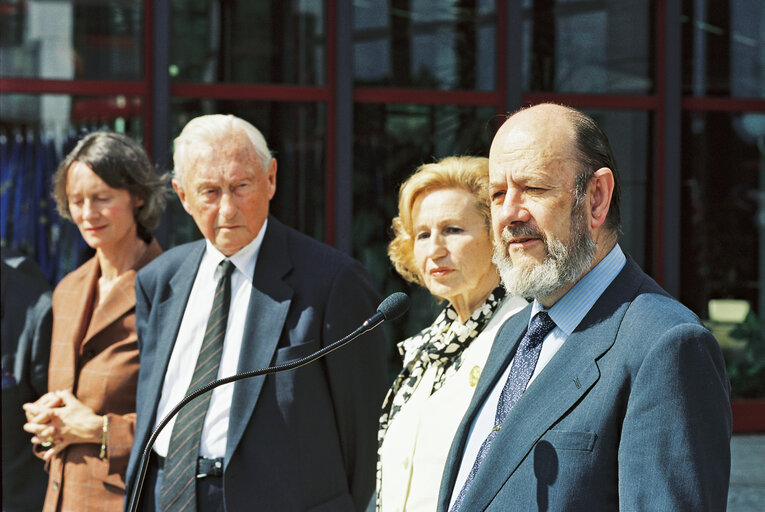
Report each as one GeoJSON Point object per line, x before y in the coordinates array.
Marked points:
{"type": "Point", "coordinates": [119, 301]}
{"type": "Point", "coordinates": [70, 323]}
{"type": "Point", "coordinates": [569, 375]}
{"type": "Point", "coordinates": [269, 303]}
{"type": "Point", "coordinates": [502, 351]}
{"type": "Point", "coordinates": [121, 298]}
{"type": "Point", "coordinates": [173, 307]}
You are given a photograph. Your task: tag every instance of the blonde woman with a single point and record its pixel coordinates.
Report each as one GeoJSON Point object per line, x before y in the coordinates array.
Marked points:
{"type": "Point", "coordinates": [442, 241]}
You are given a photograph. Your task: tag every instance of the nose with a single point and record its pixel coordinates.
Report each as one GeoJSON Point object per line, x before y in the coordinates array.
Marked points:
{"type": "Point", "coordinates": [88, 210]}
{"type": "Point", "coordinates": [437, 247]}
{"type": "Point", "coordinates": [228, 206]}
{"type": "Point", "coordinates": [513, 209]}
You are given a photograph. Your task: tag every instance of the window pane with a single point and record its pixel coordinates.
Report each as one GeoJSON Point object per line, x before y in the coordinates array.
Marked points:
{"type": "Point", "coordinates": [391, 141]}
{"type": "Point", "coordinates": [722, 228]}
{"type": "Point", "coordinates": [95, 40]}
{"type": "Point", "coordinates": [295, 133]}
{"type": "Point", "coordinates": [442, 44]}
{"type": "Point", "coordinates": [724, 48]}
{"type": "Point", "coordinates": [630, 135]}
{"type": "Point", "coordinates": [241, 41]}
{"type": "Point", "coordinates": [580, 46]}
{"type": "Point", "coordinates": [36, 132]}
{"type": "Point", "coordinates": [723, 237]}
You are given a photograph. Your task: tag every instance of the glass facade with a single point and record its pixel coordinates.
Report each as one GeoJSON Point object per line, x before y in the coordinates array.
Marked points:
{"type": "Point", "coordinates": [353, 95]}
{"type": "Point", "coordinates": [723, 236]}
{"type": "Point", "coordinates": [72, 40]}
{"type": "Point", "coordinates": [242, 41]}
{"type": "Point", "coordinates": [579, 46]}
{"type": "Point", "coordinates": [724, 48]}
{"type": "Point", "coordinates": [441, 44]}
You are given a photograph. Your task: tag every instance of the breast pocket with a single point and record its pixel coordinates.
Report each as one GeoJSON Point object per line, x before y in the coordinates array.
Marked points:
{"type": "Point", "coordinates": [570, 440]}
{"type": "Point", "coordinates": [295, 352]}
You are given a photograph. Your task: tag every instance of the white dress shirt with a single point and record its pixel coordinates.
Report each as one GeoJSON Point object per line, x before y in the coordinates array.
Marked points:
{"type": "Point", "coordinates": [189, 342]}
{"type": "Point", "coordinates": [567, 313]}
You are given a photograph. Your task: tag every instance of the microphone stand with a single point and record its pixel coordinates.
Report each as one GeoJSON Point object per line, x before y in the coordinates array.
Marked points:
{"type": "Point", "coordinates": [143, 466]}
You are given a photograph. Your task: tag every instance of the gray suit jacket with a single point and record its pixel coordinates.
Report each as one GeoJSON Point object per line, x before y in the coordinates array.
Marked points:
{"type": "Point", "coordinates": [632, 413]}
{"type": "Point", "coordinates": [298, 440]}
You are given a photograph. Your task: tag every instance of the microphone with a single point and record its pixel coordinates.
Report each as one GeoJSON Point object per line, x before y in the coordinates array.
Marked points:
{"type": "Point", "coordinates": [391, 308]}
{"type": "Point", "coordinates": [394, 305]}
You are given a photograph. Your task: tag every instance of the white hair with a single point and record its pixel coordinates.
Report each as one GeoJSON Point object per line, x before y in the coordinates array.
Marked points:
{"type": "Point", "coordinates": [209, 129]}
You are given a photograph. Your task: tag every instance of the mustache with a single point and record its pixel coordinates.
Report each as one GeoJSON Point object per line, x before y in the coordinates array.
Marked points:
{"type": "Point", "coordinates": [520, 230]}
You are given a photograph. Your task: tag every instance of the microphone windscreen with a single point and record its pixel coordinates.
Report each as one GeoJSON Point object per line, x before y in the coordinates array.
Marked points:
{"type": "Point", "coordinates": [395, 305]}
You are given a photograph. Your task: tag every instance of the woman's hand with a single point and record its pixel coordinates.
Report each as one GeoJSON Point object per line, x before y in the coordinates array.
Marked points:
{"type": "Point", "coordinates": [69, 422]}
{"type": "Point", "coordinates": [39, 411]}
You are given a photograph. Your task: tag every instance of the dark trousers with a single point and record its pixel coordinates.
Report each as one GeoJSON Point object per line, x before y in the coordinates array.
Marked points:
{"type": "Point", "coordinates": [209, 491]}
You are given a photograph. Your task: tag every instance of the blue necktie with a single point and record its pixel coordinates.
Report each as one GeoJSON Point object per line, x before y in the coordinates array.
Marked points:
{"type": "Point", "coordinates": [523, 367]}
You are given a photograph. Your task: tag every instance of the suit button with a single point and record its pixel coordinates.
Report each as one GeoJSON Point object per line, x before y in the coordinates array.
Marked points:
{"type": "Point", "coordinates": [55, 486]}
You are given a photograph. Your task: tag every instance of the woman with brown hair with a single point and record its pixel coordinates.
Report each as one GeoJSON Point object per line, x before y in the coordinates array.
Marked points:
{"type": "Point", "coordinates": [83, 427]}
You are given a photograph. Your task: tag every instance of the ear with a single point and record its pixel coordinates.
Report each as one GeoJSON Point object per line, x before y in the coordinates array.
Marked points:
{"type": "Point", "coordinates": [599, 193]}
{"type": "Point", "coordinates": [181, 195]}
{"type": "Point", "coordinates": [271, 177]}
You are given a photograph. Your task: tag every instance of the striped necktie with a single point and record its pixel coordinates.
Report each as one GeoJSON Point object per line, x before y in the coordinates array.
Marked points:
{"type": "Point", "coordinates": [180, 470]}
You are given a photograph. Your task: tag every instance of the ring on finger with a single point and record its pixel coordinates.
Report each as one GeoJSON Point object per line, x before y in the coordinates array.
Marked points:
{"type": "Point", "coordinates": [48, 442]}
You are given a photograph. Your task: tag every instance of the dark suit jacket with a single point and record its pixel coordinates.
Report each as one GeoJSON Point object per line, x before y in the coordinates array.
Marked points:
{"type": "Point", "coordinates": [632, 413]}
{"type": "Point", "coordinates": [26, 327]}
{"type": "Point", "coordinates": [298, 440]}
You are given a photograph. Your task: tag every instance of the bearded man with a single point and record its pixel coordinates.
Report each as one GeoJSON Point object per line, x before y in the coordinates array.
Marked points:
{"type": "Point", "coordinates": [605, 393]}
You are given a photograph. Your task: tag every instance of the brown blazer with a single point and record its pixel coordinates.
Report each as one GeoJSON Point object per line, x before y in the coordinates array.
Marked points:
{"type": "Point", "coordinates": [94, 354]}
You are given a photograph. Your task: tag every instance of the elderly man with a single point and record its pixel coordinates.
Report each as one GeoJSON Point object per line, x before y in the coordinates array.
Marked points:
{"type": "Point", "coordinates": [606, 394]}
{"type": "Point", "coordinates": [254, 293]}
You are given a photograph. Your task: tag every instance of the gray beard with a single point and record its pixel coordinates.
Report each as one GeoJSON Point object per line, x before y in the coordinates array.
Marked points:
{"type": "Point", "coordinates": [563, 263]}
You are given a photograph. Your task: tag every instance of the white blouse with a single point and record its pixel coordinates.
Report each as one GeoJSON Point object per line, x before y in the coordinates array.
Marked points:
{"type": "Point", "coordinates": [418, 440]}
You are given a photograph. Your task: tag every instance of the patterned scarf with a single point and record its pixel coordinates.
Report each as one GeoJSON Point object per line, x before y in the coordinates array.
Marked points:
{"type": "Point", "coordinates": [441, 344]}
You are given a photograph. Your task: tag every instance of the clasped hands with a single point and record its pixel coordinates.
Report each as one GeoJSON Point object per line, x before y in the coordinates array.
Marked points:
{"type": "Point", "coordinates": [58, 419]}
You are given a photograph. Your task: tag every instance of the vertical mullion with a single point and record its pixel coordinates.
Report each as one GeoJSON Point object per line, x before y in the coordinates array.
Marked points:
{"type": "Point", "coordinates": [147, 71]}
{"type": "Point", "coordinates": [511, 63]}
{"type": "Point", "coordinates": [160, 83]}
{"type": "Point", "coordinates": [669, 135]}
{"type": "Point", "coordinates": [157, 63]}
{"type": "Point", "coordinates": [329, 119]}
{"type": "Point", "coordinates": [341, 107]}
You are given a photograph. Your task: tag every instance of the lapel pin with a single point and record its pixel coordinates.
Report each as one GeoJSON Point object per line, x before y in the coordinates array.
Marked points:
{"type": "Point", "coordinates": [475, 374]}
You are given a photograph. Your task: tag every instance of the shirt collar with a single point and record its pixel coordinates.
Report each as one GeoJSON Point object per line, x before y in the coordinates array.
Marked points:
{"type": "Point", "coordinates": [244, 259]}
{"type": "Point", "coordinates": [570, 309]}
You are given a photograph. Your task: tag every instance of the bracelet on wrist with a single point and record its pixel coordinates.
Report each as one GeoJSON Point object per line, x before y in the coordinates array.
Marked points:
{"type": "Point", "coordinates": [104, 437]}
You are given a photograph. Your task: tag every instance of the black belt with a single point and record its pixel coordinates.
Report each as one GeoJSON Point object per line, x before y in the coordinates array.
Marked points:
{"type": "Point", "coordinates": [205, 467]}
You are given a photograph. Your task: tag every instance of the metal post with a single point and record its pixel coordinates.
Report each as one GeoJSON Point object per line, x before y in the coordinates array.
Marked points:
{"type": "Point", "coordinates": [343, 132]}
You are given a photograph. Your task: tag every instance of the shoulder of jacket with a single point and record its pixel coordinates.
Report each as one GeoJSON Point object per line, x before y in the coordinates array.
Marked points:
{"type": "Point", "coordinates": [76, 276]}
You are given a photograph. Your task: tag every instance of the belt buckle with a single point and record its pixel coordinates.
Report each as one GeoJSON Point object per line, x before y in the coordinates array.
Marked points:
{"type": "Point", "coordinates": [209, 467]}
